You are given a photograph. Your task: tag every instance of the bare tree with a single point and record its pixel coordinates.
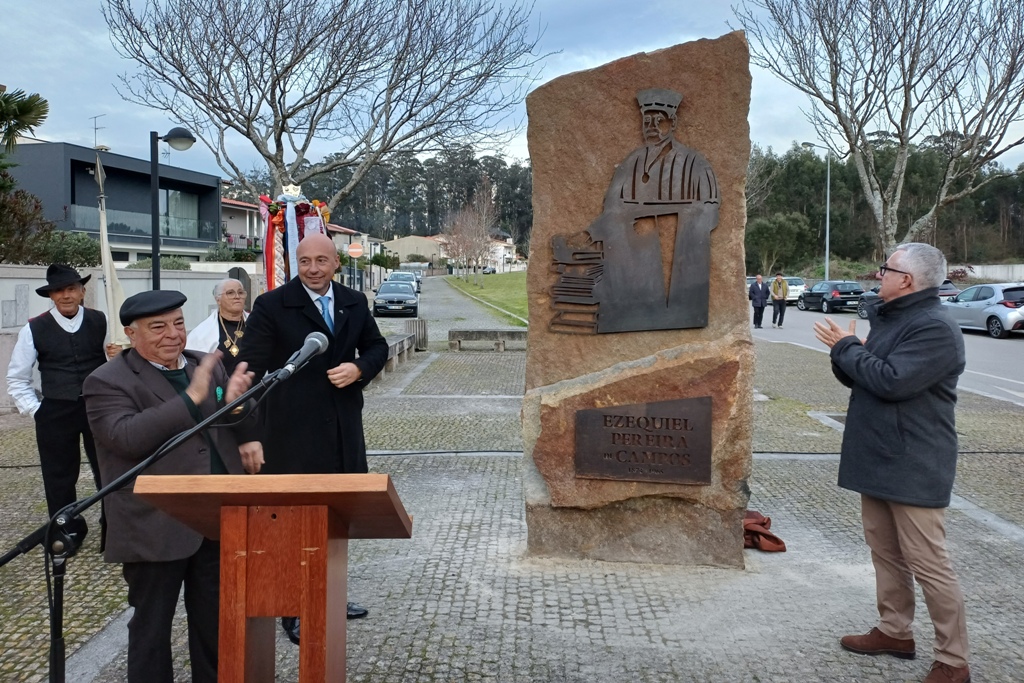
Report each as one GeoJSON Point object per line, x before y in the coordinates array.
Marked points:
{"type": "Point", "coordinates": [468, 234]}
{"type": "Point", "coordinates": [949, 74]}
{"type": "Point", "coordinates": [371, 77]}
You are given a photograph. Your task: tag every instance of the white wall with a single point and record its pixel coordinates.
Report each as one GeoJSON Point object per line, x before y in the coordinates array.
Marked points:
{"type": "Point", "coordinates": [1007, 272]}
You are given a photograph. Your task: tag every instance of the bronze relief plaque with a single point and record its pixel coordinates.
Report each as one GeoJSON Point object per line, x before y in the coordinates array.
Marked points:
{"type": "Point", "coordinates": [645, 262]}
{"type": "Point", "coordinates": [667, 442]}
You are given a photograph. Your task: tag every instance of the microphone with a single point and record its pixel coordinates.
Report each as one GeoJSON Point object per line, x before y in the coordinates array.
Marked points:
{"type": "Point", "coordinates": [315, 344]}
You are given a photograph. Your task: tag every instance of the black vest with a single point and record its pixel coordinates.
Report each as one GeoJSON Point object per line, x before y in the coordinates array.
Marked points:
{"type": "Point", "coordinates": [66, 359]}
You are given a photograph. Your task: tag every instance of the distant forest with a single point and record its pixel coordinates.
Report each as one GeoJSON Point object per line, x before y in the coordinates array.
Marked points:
{"type": "Point", "coordinates": [786, 212]}
{"type": "Point", "coordinates": [785, 205]}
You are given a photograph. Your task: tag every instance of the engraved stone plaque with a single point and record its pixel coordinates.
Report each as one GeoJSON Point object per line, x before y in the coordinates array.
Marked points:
{"type": "Point", "coordinates": [667, 442]}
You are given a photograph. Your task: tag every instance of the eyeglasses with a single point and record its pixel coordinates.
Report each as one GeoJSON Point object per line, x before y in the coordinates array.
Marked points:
{"type": "Point", "coordinates": [234, 292]}
{"type": "Point", "coordinates": [883, 269]}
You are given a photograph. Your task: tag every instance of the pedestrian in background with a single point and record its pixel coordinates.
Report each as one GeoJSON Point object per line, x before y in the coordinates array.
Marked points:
{"type": "Point", "coordinates": [758, 295]}
{"type": "Point", "coordinates": [780, 290]}
{"type": "Point", "coordinates": [900, 451]}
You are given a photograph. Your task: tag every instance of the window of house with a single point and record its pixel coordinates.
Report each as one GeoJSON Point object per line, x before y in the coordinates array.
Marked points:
{"type": "Point", "coordinates": [179, 214]}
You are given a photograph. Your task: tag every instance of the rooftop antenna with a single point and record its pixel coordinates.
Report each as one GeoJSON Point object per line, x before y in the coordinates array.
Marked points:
{"type": "Point", "coordinates": [96, 128]}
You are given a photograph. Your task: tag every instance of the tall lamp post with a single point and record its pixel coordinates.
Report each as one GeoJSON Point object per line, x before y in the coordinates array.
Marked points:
{"type": "Point", "coordinates": [828, 194]}
{"type": "Point", "coordinates": [180, 139]}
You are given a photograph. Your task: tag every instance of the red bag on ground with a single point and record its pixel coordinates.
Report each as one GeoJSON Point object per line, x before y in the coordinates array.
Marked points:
{"type": "Point", "coordinates": [756, 533]}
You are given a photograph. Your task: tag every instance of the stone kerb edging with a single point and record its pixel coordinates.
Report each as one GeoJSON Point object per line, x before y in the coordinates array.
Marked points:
{"type": "Point", "coordinates": [486, 303]}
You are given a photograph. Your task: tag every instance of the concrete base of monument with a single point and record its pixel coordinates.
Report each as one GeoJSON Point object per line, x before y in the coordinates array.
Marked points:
{"type": "Point", "coordinates": [643, 530]}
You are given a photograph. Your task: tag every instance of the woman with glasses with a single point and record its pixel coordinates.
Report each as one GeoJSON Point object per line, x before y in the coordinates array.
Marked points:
{"type": "Point", "coordinates": [225, 327]}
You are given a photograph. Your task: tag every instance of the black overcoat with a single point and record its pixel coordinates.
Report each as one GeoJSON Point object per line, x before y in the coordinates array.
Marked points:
{"type": "Point", "coordinates": [311, 426]}
{"type": "Point", "coordinates": [758, 294]}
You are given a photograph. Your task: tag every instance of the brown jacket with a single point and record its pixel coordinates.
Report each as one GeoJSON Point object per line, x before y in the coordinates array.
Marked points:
{"type": "Point", "coordinates": [132, 411]}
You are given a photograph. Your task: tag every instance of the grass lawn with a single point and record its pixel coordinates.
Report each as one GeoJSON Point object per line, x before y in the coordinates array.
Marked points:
{"type": "Point", "coordinates": [505, 290]}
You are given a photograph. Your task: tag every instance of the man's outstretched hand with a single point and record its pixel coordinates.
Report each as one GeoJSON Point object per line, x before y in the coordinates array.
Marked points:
{"type": "Point", "coordinates": [828, 332]}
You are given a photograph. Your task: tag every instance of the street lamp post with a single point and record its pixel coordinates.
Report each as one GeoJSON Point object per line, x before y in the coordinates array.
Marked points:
{"type": "Point", "coordinates": [828, 195]}
{"type": "Point", "coordinates": [180, 139]}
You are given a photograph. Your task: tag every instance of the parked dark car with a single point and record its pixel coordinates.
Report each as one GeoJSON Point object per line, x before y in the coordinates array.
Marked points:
{"type": "Point", "coordinates": [830, 295]}
{"type": "Point", "coordinates": [863, 301]}
{"type": "Point", "coordinates": [488, 270]}
{"type": "Point", "coordinates": [946, 289]}
{"type": "Point", "coordinates": [396, 298]}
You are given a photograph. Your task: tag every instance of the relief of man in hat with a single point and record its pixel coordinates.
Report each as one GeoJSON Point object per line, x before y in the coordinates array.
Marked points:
{"type": "Point", "coordinates": [659, 211]}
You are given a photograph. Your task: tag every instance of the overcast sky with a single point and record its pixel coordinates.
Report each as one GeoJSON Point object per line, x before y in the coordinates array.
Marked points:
{"type": "Point", "coordinates": [70, 61]}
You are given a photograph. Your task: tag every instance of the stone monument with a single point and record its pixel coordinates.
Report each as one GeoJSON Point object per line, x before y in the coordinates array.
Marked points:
{"type": "Point", "coordinates": [637, 415]}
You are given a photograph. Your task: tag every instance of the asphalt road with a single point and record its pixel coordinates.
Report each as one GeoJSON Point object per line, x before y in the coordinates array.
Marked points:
{"type": "Point", "coordinates": [994, 366]}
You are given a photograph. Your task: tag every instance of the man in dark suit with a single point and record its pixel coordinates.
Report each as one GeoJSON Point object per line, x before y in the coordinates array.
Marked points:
{"type": "Point", "coordinates": [758, 296]}
{"type": "Point", "coordinates": [135, 403]}
{"type": "Point", "coordinates": [313, 421]}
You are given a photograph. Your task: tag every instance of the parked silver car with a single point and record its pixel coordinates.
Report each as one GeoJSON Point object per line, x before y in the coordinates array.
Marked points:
{"type": "Point", "coordinates": [995, 308]}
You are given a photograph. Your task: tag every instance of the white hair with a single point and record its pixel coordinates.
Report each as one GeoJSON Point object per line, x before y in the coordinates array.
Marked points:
{"type": "Point", "coordinates": [925, 263]}
{"type": "Point", "coordinates": [218, 288]}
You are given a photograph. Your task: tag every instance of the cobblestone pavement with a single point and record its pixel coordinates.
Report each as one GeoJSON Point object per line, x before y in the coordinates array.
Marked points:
{"type": "Point", "coordinates": [461, 602]}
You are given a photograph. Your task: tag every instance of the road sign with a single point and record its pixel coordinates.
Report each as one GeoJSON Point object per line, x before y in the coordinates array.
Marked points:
{"type": "Point", "coordinates": [355, 250]}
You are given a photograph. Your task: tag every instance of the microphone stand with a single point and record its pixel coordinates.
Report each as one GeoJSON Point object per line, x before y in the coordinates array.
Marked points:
{"type": "Point", "coordinates": [58, 544]}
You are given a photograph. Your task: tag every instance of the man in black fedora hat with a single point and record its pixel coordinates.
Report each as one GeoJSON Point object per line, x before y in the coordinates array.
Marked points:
{"type": "Point", "coordinates": [68, 343]}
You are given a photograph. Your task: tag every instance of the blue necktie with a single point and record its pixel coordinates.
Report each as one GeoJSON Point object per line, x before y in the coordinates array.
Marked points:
{"type": "Point", "coordinates": [325, 311]}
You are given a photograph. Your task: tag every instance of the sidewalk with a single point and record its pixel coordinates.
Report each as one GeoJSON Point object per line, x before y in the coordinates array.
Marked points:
{"type": "Point", "coordinates": [460, 602]}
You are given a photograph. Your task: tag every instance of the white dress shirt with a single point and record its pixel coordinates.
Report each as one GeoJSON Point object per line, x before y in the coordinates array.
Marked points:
{"type": "Point", "coordinates": [24, 357]}
{"type": "Point", "coordinates": [316, 300]}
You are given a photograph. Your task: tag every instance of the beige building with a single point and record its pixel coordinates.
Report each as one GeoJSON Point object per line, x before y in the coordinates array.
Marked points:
{"type": "Point", "coordinates": [430, 247]}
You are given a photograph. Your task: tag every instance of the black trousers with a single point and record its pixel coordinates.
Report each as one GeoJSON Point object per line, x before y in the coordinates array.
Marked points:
{"type": "Point", "coordinates": [778, 311]}
{"type": "Point", "coordinates": [62, 428]}
{"type": "Point", "coordinates": [153, 589]}
{"type": "Point", "coordinates": [758, 315]}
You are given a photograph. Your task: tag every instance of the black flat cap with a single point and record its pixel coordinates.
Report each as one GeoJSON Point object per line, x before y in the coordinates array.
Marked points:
{"type": "Point", "coordinates": [146, 304]}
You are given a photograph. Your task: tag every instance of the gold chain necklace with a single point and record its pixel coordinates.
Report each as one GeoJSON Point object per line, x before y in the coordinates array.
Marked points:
{"type": "Point", "coordinates": [231, 343]}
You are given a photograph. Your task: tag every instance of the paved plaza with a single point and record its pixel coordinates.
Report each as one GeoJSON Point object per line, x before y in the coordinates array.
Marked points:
{"type": "Point", "coordinates": [461, 601]}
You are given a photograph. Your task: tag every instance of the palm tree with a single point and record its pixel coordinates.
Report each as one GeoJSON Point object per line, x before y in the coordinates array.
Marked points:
{"type": "Point", "coordinates": [19, 114]}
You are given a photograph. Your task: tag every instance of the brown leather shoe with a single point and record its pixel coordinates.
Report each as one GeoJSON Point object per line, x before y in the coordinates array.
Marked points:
{"type": "Point", "coordinates": [874, 642]}
{"type": "Point", "coordinates": [944, 673]}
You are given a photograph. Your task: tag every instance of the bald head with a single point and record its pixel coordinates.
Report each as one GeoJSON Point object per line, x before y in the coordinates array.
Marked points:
{"type": "Point", "coordinates": [317, 243]}
{"type": "Point", "coordinates": [318, 261]}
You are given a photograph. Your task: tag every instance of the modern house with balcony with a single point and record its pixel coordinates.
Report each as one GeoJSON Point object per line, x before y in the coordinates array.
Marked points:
{"type": "Point", "coordinates": [242, 225]}
{"type": "Point", "coordinates": [63, 177]}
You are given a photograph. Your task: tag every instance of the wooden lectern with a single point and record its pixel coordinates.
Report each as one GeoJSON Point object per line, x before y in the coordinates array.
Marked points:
{"type": "Point", "coordinates": [283, 552]}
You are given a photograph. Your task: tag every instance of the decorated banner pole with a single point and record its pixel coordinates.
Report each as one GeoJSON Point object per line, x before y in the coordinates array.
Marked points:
{"type": "Point", "coordinates": [287, 220]}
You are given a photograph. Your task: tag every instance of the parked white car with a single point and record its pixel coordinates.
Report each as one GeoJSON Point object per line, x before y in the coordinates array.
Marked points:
{"type": "Point", "coordinates": [796, 288]}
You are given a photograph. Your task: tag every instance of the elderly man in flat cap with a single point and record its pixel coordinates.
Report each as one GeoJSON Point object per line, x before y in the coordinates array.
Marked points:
{"type": "Point", "coordinates": [68, 343]}
{"type": "Point", "coordinates": [140, 399]}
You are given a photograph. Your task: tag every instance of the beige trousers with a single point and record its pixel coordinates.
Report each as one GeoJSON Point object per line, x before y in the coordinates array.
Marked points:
{"type": "Point", "coordinates": [908, 543]}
